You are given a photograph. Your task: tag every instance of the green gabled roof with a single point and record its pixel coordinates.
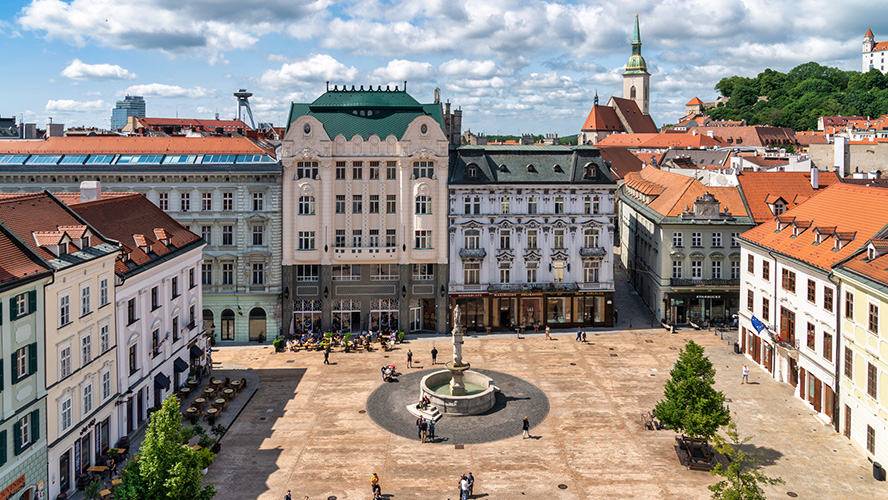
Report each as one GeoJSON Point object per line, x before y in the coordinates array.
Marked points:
{"type": "Point", "coordinates": [365, 112]}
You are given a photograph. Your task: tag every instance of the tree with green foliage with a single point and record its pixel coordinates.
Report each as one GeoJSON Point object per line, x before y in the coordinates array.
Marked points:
{"type": "Point", "coordinates": [165, 468]}
{"type": "Point", "coordinates": [690, 404]}
{"type": "Point", "coordinates": [741, 480]}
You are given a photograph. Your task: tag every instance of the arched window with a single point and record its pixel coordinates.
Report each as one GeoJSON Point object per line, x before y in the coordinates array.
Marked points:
{"type": "Point", "coordinates": [306, 205]}
{"type": "Point", "coordinates": [423, 205]}
{"type": "Point", "coordinates": [590, 238]}
{"type": "Point", "coordinates": [632, 92]}
{"type": "Point", "coordinates": [257, 323]}
{"type": "Point", "coordinates": [472, 171]}
{"type": "Point", "coordinates": [227, 325]}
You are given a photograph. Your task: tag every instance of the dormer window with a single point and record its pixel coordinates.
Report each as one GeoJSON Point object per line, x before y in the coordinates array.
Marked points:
{"type": "Point", "coordinates": [557, 168]}
{"type": "Point", "coordinates": [530, 168]}
{"type": "Point", "coordinates": [472, 171]}
{"type": "Point", "coordinates": [591, 171]}
{"type": "Point", "coordinates": [84, 242]}
{"type": "Point", "coordinates": [870, 253]}
{"type": "Point", "coordinates": [63, 249]}
{"type": "Point", "coordinates": [779, 208]}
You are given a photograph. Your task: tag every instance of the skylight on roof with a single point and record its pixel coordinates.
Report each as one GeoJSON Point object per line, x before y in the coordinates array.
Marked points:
{"type": "Point", "coordinates": [219, 158]}
{"type": "Point", "coordinates": [123, 159]}
{"type": "Point", "coordinates": [73, 160]}
{"type": "Point", "coordinates": [15, 159]}
{"type": "Point", "coordinates": [93, 159]}
{"type": "Point", "coordinates": [179, 158]}
{"type": "Point", "coordinates": [254, 159]}
{"type": "Point", "coordinates": [44, 159]}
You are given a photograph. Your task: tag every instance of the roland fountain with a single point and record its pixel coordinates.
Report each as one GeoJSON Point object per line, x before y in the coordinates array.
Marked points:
{"type": "Point", "coordinates": [457, 391]}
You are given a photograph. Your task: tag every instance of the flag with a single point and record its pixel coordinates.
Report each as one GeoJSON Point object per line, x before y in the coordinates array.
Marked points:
{"type": "Point", "coordinates": [757, 324]}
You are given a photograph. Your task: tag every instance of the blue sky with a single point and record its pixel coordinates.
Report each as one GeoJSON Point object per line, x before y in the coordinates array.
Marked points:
{"type": "Point", "coordinates": [512, 66]}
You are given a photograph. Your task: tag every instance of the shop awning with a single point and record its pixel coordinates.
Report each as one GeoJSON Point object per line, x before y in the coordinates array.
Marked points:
{"type": "Point", "coordinates": [196, 352]}
{"type": "Point", "coordinates": [179, 365]}
{"type": "Point", "coordinates": [161, 381]}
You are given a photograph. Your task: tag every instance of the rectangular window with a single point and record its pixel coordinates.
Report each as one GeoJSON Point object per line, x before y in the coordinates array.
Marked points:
{"type": "Point", "coordinates": [735, 241]}
{"type": "Point", "coordinates": [131, 311]}
{"type": "Point", "coordinates": [65, 412]}
{"type": "Point", "coordinates": [504, 205]}
{"type": "Point", "coordinates": [716, 269]}
{"type": "Point", "coordinates": [423, 169]}
{"type": "Point", "coordinates": [163, 201]}
{"type": "Point", "coordinates": [307, 272]}
{"type": "Point", "coordinates": [206, 232]}
{"type": "Point", "coordinates": [357, 170]}
{"type": "Point", "coordinates": [258, 274]}
{"type": "Point", "coordinates": [106, 385]}
{"type": "Point", "coordinates": [750, 264]}
{"type": "Point", "coordinates": [206, 202]}
{"type": "Point", "coordinates": [24, 440]}
{"type": "Point", "coordinates": [590, 271]}
{"type": "Point", "coordinates": [104, 338]}
{"type": "Point", "coordinates": [185, 202]}
{"type": "Point", "coordinates": [531, 205]}
{"type": "Point", "coordinates": [103, 292]}
{"type": "Point", "coordinates": [155, 343]}
{"type": "Point", "coordinates": [258, 235]}
{"type": "Point", "coordinates": [828, 299]}
{"type": "Point", "coordinates": [340, 170]}
{"type": "Point", "coordinates": [391, 205]}
{"type": "Point", "coordinates": [390, 238]}
{"type": "Point", "coordinates": [750, 300]}
{"type": "Point", "coordinates": [85, 350]}
{"type": "Point", "coordinates": [558, 272]}
{"type": "Point", "coordinates": [716, 239]}
{"type": "Point", "coordinates": [559, 204]}
{"type": "Point", "coordinates": [374, 170]}
{"type": "Point", "coordinates": [227, 274]}
{"type": "Point", "coordinates": [306, 205]}
{"type": "Point", "coordinates": [766, 309]}
{"type": "Point", "coordinates": [206, 273]}
{"type": "Point", "coordinates": [849, 362]}
{"type": "Point", "coordinates": [423, 239]}
{"type": "Point", "coordinates": [532, 238]}
{"type": "Point", "coordinates": [227, 235]}
{"type": "Point", "coordinates": [87, 399]}
{"type": "Point", "coordinates": [374, 203]}
{"type": "Point", "coordinates": [357, 204]}
{"type": "Point", "coordinates": [558, 238]}
{"type": "Point", "coordinates": [812, 291]}
{"type": "Point", "coordinates": [356, 238]}
{"type": "Point", "coordinates": [870, 439]}
{"type": "Point", "coordinates": [696, 239]}
{"type": "Point", "coordinates": [696, 269]}
{"type": "Point", "coordinates": [423, 205]}
{"type": "Point", "coordinates": [64, 362]}
{"type": "Point", "coordinates": [133, 358]}
{"type": "Point", "coordinates": [505, 239]}
{"type": "Point", "coordinates": [472, 273]}
{"type": "Point", "coordinates": [827, 346]}
{"type": "Point", "coordinates": [174, 287]}
{"type": "Point", "coordinates": [155, 298]}
{"type": "Point", "coordinates": [306, 170]}
{"type": "Point", "coordinates": [849, 305]}
{"type": "Point", "coordinates": [676, 269]}
{"type": "Point", "coordinates": [677, 239]}
{"type": "Point", "coordinates": [766, 270]}
{"type": "Point", "coordinates": [788, 280]}
{"type": "Point", "coordinates": [64, 310]}
{"type": "Point", "coordinates": [386, 272]}
{"type": "Point", "coordinates": [176, 331]}
{"type": "Point", "coordinates": [340, 203]}
{"type": "Point", "coordinates": [306, 240]}
{"type": "Point", "coordinates": [873, 319]}
{"type": "Point", "coordinates": [472, 239]}
{"type": "Point", "coordinates": [872, 374]}
{"type": "Point", "coordinates": [391, 170]}
{"type": "Point", "coordinates": [374, 238]}
{"type": "Point", "coordinates": [20, 364]}
{"type": "Point", "coordinates": [531, 272]}
{"type": "Point", "coordinates": [346, 272]}
{"type": "Point", "coordinates": [423, 272]}
{"type": "Point", "coordinates": [812, 336]}
{"type": "Point", "coordinates": [505, 272]}
{"type": "Point", "coordinates": [735, 269]}
{"type": "Point", "coordinates": [227, 201]}
{"type": "Point", "coordinates": [85, 302]}
{"type": "Point", "coordinates": [339, 240]}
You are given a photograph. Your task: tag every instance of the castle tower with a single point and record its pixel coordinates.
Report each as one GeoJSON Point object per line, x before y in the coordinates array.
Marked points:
{"type": "Point", "coordinates": [636, 79]}
{"type": "Point", "coordinates": [869, 41]}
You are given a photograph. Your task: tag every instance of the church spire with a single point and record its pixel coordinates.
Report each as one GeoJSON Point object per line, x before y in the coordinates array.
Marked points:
{"type": "Point", "coordinates": [636, 64]}
{"type": "Point", "coordinates": [637, 38]}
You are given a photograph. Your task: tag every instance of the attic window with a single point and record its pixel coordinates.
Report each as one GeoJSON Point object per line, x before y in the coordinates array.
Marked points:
{"type": "Point", "coordinates": [472, 171]}
{"type": "Point", "coordinates": [870, 253]}
{"type": "Point", "coordinates": [591, 171]}
{"type": "Point", "coordinates": [557, 168]}
{"type": "Point", "coordinates": [503, 168]}
{"type": "Point", "coordinates": [530, 168]}
{"type": "Point", "coordinates": [63, 249]}
{"type": "Point", "coordinates": [84, 242]}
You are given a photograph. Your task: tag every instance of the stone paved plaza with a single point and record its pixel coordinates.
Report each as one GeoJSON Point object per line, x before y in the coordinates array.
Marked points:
{"type": "Point", "coordinates": [307, 429]}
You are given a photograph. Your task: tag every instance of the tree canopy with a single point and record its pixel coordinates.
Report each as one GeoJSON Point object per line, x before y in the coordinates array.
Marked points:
{"type": "Point", "coordinates": [166, 468]}
{"type": "Point", "coordinates": [798, 98]}
{"type": "Point", "coordinates": [741, 478]}
{"type": "Point", "coordinates": [690, 404]}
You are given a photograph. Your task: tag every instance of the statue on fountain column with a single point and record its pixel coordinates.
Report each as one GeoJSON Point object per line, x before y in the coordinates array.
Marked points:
{"type": "Point", "coordinates": [457, 337]}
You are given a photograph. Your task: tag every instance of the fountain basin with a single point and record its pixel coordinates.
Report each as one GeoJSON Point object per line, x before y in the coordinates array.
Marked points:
{"type": "Point", "coordinates": [480, 397]}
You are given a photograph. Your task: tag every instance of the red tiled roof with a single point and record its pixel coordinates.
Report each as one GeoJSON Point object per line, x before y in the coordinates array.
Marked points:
{"type": "Point", "coordinates": [622, 160]}
{"type": "Point", "coordinates": [133, 145]}
{"type": "Point", "coordinates": [869, 32]}
{"type": "Point", "coordinates": [603, 118]}
{"type": "Point", "coordinates": [683, 141]}
{"type": "Point", "coordinates": [881, 46]}
{"type": "Point", "coordinates": [679, 191]}
{"type": "Point", "coordinates": [636, 121]}
{"type": "Point", "coordinates": [852, 209]}
{"type": "Point", "coordinates": [753, 136]}
{"type": "Point", "coordinates": [209, 125]}
{"type": "Point", "coordinates": [16, 262]}
{"type": "Point", "coordinates": [694, 101]}
{"type": "Point", "coordinates": [130, 217]}
{"type": "Point", "coordinates": [625, 140]}
{"type": "Point", "coordinates": [762, 188]}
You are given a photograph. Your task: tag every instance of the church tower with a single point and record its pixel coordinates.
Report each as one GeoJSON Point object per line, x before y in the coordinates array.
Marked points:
{"type": "Point", "coordinates": [636, 79]}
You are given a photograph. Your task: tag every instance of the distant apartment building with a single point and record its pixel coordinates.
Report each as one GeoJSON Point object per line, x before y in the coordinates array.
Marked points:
{"type": "Point", "coordinates": [131, 105]}
{"type": "Point", "coordinates": [225, 189]}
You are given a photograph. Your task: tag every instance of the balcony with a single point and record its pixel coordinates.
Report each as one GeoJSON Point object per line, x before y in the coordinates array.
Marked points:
{"type": "Point", "coordinates": [704, 283]}
{"type": "Point", "coordinates": [592, 252]}
{"type": "Point", "coordinates": [472, 253]}
{"type": "Point", "coordinates": [788, 344]}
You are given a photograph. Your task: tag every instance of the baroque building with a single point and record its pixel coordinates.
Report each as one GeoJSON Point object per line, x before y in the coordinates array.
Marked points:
{"type": "Point", "coordinates": [365, 212]}
{"type": "Point", "coordinates": [531, 237]}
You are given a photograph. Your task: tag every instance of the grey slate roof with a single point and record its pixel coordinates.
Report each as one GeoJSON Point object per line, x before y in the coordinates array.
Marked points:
{"type": "Point", "coordinates": [529, 165]}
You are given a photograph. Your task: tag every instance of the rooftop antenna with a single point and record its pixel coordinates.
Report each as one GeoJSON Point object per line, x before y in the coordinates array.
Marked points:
{"type": "Point", "coordinates": [243, 103]}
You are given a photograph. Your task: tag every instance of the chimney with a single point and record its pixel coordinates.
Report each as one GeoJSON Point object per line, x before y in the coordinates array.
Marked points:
{"type": "Point", "coordinates": [709, 133]}
{"type": "Point", "coordinates": [815, 178]}
{"type": "Point", "coordinates": [90, 191]}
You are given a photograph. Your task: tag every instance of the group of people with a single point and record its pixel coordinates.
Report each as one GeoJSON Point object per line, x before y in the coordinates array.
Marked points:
{"type": "Point", "coordinates": [466, 486]}
{"type": "Point", "coordinates": [388, 373]}
{"type": "Point", "coordinates": [425, 428]}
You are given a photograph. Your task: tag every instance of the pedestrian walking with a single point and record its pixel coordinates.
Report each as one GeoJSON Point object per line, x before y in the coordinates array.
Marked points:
{"type": "Point", "coordinates": [374, 486]}
{"type": "Point", "coordinates": [579, 334]}
{"type": "Point", "coordinates": [745, 379]}
{"type": "Point", "coordinates": [547, 333]}
{"type": "Point", "coordinates": [463, 488]}
{"type": "Point", "coordinates": [409, 358]}
{"type": "Point", "coordinates": [471, 480]}
{"type": "Point", "coordinates": [526, 427]}
{"type": "Point", "coordinates": [431, 435]}
{"type": "Point", "coordinates": [615, 315]}
{"type": "Point", "coordinates": [287, 496]}
{"type": "Point", "coordinates": [423, 431]}
{"type": "Point", "coordinates": [584, 336]}
{"type": "Point", "coordinates": [434, 355]}
{"type": "Point", "coordinates": [327, 355]}
{"type": "Point", "coordinates": [419, 427]}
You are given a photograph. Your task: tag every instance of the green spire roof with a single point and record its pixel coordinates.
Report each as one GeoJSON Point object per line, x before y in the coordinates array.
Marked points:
{"type": "Point", "coordinates": [636, 64]}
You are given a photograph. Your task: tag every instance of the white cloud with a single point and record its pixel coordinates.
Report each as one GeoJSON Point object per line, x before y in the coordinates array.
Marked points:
{"type": "Point", "coordinates": [78, 70]}
{"type": "Point", "coordinates": [163, 90]}
{"type": "Point", "coordinates": [472, 69]}
{"type": "Point", "coordinates": [400, 70]}
{"type": "Point", "coordinates": [72, 106]}
{"type": "Point", "coordinates": [317, 68]}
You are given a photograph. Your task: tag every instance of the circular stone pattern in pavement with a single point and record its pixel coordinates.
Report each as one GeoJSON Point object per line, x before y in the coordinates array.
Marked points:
{"type": "Point", "coordinates": [518, 398]}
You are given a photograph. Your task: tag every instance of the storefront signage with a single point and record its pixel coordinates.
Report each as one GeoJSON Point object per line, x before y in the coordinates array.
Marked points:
{"type": "Point", "coordinates": [467, 295]}
{"type": "Point", "coordinates": [13, 488]}
{"type": "Point", "coordinates": [505, 295]}
{"type": "Point", "coordinates": [709, 296]}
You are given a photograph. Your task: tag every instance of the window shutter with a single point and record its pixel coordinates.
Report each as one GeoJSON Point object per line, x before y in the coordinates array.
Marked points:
{"type": "Point", "coordinates": [2, 447]}
{"type": "Point", "coordinates": [14, 369]}
{"type": "Point", "coordinates": [17, 437]}
{"type": "Point", "coordinates": [35, 426]}
{"type": "Point", "coordinates": [32, 358]}
{"type": "Point", "coordinates": [32, 301]}
{"type": "Point", "coordinates": [13, 311]}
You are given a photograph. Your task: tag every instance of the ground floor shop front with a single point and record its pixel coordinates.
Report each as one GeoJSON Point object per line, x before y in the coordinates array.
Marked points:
{"type": "Point", "coordinates": [72, 454]}
{"type": "Point", "coordinates": [245, 317]}
{"type": "Point", "coordinates": [482, 312]}
{"type": "Point", "coordinates": [698, 307]}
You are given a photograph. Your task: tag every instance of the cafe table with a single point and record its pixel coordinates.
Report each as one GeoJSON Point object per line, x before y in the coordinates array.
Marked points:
{"type": "Point", "coordinates": [216, 381]}
{"type": "Point", "coordinates": [115, 482]}
{"type": "Point", "coordinates": [209, 390]}
{"type": "Point", "coordinates": [185, 390]}
{"type": "Point", "coordinates": [228, 393]}
{"type": "Point", "coordinates": [220, 403]}
{"type": "Point", "coordinates": [199, 401]}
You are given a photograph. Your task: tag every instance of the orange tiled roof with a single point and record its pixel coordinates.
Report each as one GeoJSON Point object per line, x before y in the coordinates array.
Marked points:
{"type": "Point", "coordinates": [16, 261]}
{"type": "Point", "coordinates": [694, 101]}
{"type": "Point", "coordinates": [209, 125]}
{"type": "Point", "coordinates": [762, 188]}
{"type": "Point", "coordinates": [876, 269]}
{"type": "Point", "coordinates": [854, 210]}
{"type": "Point", "coordinates": [679, 191]}
{"type": "Point", "coordinates": [625, 140]}
{"type": "Point", "coordinates": [881, 46]}
{"type": "Point", "coordinates": [869, 32]}
{"type": "Point", "coordinates": [683, 141]}
{"type": "Point", "coordinates": [753, 136]}
{"type": "Point", "coordinates": [132, 145]}
{"type": "Point", "coordinates": [636, 121]}
{"type": "Point", "coordinates": [603, 118]}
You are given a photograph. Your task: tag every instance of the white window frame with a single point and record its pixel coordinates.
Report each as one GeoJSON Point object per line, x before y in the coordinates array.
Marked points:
{"type": "Point", "coordinates": [678, 239]}
{"type": "Point", "coordinates": [105, 337]}
{"type": "Point", "coordinates": [87, 398]}
{"type": "Point", "coordinates": [85, 350]}
{"type": "Point", "coordinates": [66, 413]}
{"type": "Point", "coordinates": [106, 384]}
{"type": "Point", "coordinates": [85, 300]}
{"type": "Point", "coordinates": [104, 299]}
{"type": "Point", "coordinates": [64, 310]}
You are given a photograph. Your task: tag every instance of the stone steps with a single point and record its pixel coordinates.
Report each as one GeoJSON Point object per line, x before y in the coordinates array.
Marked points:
{"type": "Point", "coordinates": [430, 413]}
